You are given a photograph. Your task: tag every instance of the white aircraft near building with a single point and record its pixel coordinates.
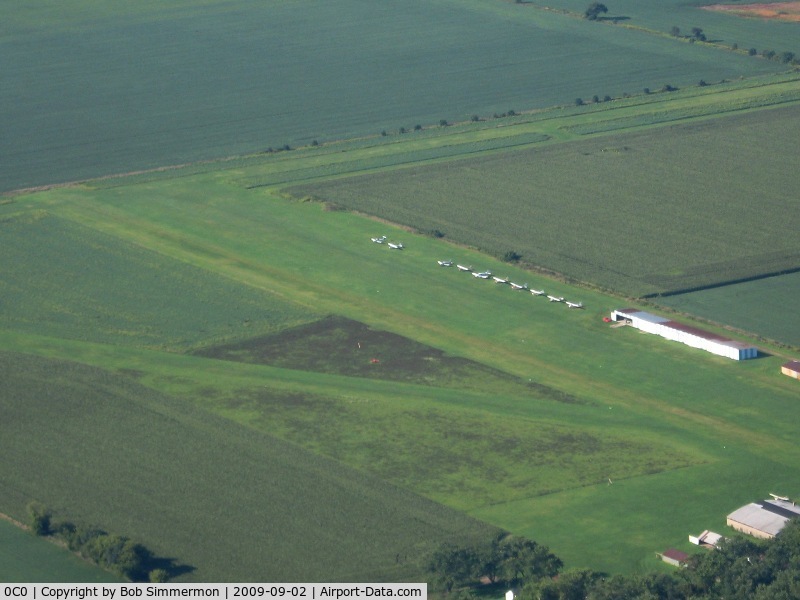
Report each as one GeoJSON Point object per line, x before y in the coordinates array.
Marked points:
{"type": "Point", "coordinates": [445, 263]}
{"type": "Point", "coordinates": [379, 240]}
{"type": "Point", "coordinates": [516, 286]}
{"type": "Point", "coordinates": [574, 304]}
{"type": "Point", "coordinates": [464, 268]}
{"type": "Point", "coordinates": [556, 298]}
{"type": "Point", "coordinates": [483, 275]}
{"type": "Point", "coordinates": [500, 279]}
{"type": "Point", "coordinates": [538, 292]}
{"type": "Point", "coordinates": [397, 246]}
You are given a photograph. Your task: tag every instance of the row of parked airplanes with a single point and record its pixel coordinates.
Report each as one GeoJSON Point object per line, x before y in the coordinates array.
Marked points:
{"type": "Point", "coordinates": [484, 275]}
{"type": "Point", "coordinates": [506, 280]}
{"type": "Point", "coordinates": [392, 245]}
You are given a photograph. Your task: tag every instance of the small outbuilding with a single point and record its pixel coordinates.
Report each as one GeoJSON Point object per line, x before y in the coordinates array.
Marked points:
{"type": "Point", "coordinates": [792, 369]}
{"type": "Point", "coordinates": [674, 557]}
{"type": "Point", "coordinates": [708, 539]}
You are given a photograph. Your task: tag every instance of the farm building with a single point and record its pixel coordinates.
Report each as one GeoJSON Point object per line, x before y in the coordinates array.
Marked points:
{"type": "Point", "coordinates": [709, 539]}
{"type": "Point", "coordinates": [679, 332]}
{"type": "Point", "coordinates": [792, 369]}
{"type": "Point", "coordinates": [763, 519]}
{"type": "Point", "coordinates": [674, 557]}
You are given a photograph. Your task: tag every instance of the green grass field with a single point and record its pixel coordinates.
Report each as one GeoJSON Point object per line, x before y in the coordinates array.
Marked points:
{"type": "Point", "coordinates": [651, 415]}
{"type": "Point", "coordinates": [213, 79]}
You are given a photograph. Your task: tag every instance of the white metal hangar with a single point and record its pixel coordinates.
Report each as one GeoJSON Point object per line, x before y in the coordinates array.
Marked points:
{"type": "Point", "coordinates": [679, 332]}
{"type": "Point", "coordinates": [763, 519]}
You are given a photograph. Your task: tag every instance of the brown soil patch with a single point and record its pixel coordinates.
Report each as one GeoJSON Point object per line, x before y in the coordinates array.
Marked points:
{"type": "Point", "coordinates": [342, 346]}
{"type": "Point", "coordinates": [781, 11]}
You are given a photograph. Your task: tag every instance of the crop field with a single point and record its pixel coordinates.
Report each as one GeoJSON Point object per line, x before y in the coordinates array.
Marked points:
{"type": "Point", "coordinates": [24, 558]}
{"type": "Point", "coordinates": [720, 27]}
{"type": "Point", "coordinates": [639, 212]}
{"type": "Point", "coordinates": [752, 306]}
{"type": "Point", "coordinates": [216, 498]}
{"type": "Point", "coordinates": [212, 79]}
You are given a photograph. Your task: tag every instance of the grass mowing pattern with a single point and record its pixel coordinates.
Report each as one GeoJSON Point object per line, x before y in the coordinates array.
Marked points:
{"type": "Point", "coordinates": [345, 347]}
{"type": "Point", "coordinates": [61, 278]}
{"type": "Point", "coordinates": [467, 458]}
{"type": "Point", "coordinates": [220, 497]}
{"type": "Point", "coordinates": [414, 154]}
{"type": "Point", "coordinates": [637, 213]}
{"type": "Point", "coordinates": [464, 458]}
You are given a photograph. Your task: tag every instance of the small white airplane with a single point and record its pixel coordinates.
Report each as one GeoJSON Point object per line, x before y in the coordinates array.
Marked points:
{"type": "Point", "coordinates": [379, 240]}
{"type": "Point", "coordinates": [556, 298]}
{"type": "Point", "coordinates": [574, 304]}
{"type": "Point", "coordinates": [464, 268]}
{"type": "Point", "coordinates": [445, 263]}
{"type": "Point", "coordinates": [538, 292]}
{"type": "Point", "coordinates": [482, 275]}
{"type": "Point", "coordinates": [500, 279]}
{"type": "Point", "coordinates": [517, 286]}
{"type": "Point", "coordinates": [397, 246]}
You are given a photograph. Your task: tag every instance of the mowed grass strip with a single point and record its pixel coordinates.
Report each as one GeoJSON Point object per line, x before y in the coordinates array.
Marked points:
{"type": "Point", "coordinates": [325, 261]}
{"type": "Point", "coordinates": [225, 502]}
{"type": "Point", "coordinates": [61, 278]}
{"type": "Point", "coordinates": [638, 213]}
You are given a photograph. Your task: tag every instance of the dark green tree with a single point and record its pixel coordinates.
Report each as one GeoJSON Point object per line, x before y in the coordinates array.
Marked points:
{"type": "Point", "coordinates": [574, 584]}
{"type": "Point", "coordinates": [453, 566]}
{"type": "Point", "coordinates": [521, 560]}
{"type": "Point", "coordinates": [595, 10]}
{"type": "Point", "coordinates": [40, 519]}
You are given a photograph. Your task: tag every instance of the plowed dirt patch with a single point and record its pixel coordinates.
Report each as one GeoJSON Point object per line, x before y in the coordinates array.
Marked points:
{"type": "Point", "coordinates": [781, 11]}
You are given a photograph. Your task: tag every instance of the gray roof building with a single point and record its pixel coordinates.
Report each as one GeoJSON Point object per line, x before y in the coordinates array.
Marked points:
{"type": "Point", "coordinates": [763, 519]}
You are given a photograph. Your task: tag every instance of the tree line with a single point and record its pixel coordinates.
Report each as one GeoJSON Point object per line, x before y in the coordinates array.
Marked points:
{"type": "Point", "coordinates": [114, 553]}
